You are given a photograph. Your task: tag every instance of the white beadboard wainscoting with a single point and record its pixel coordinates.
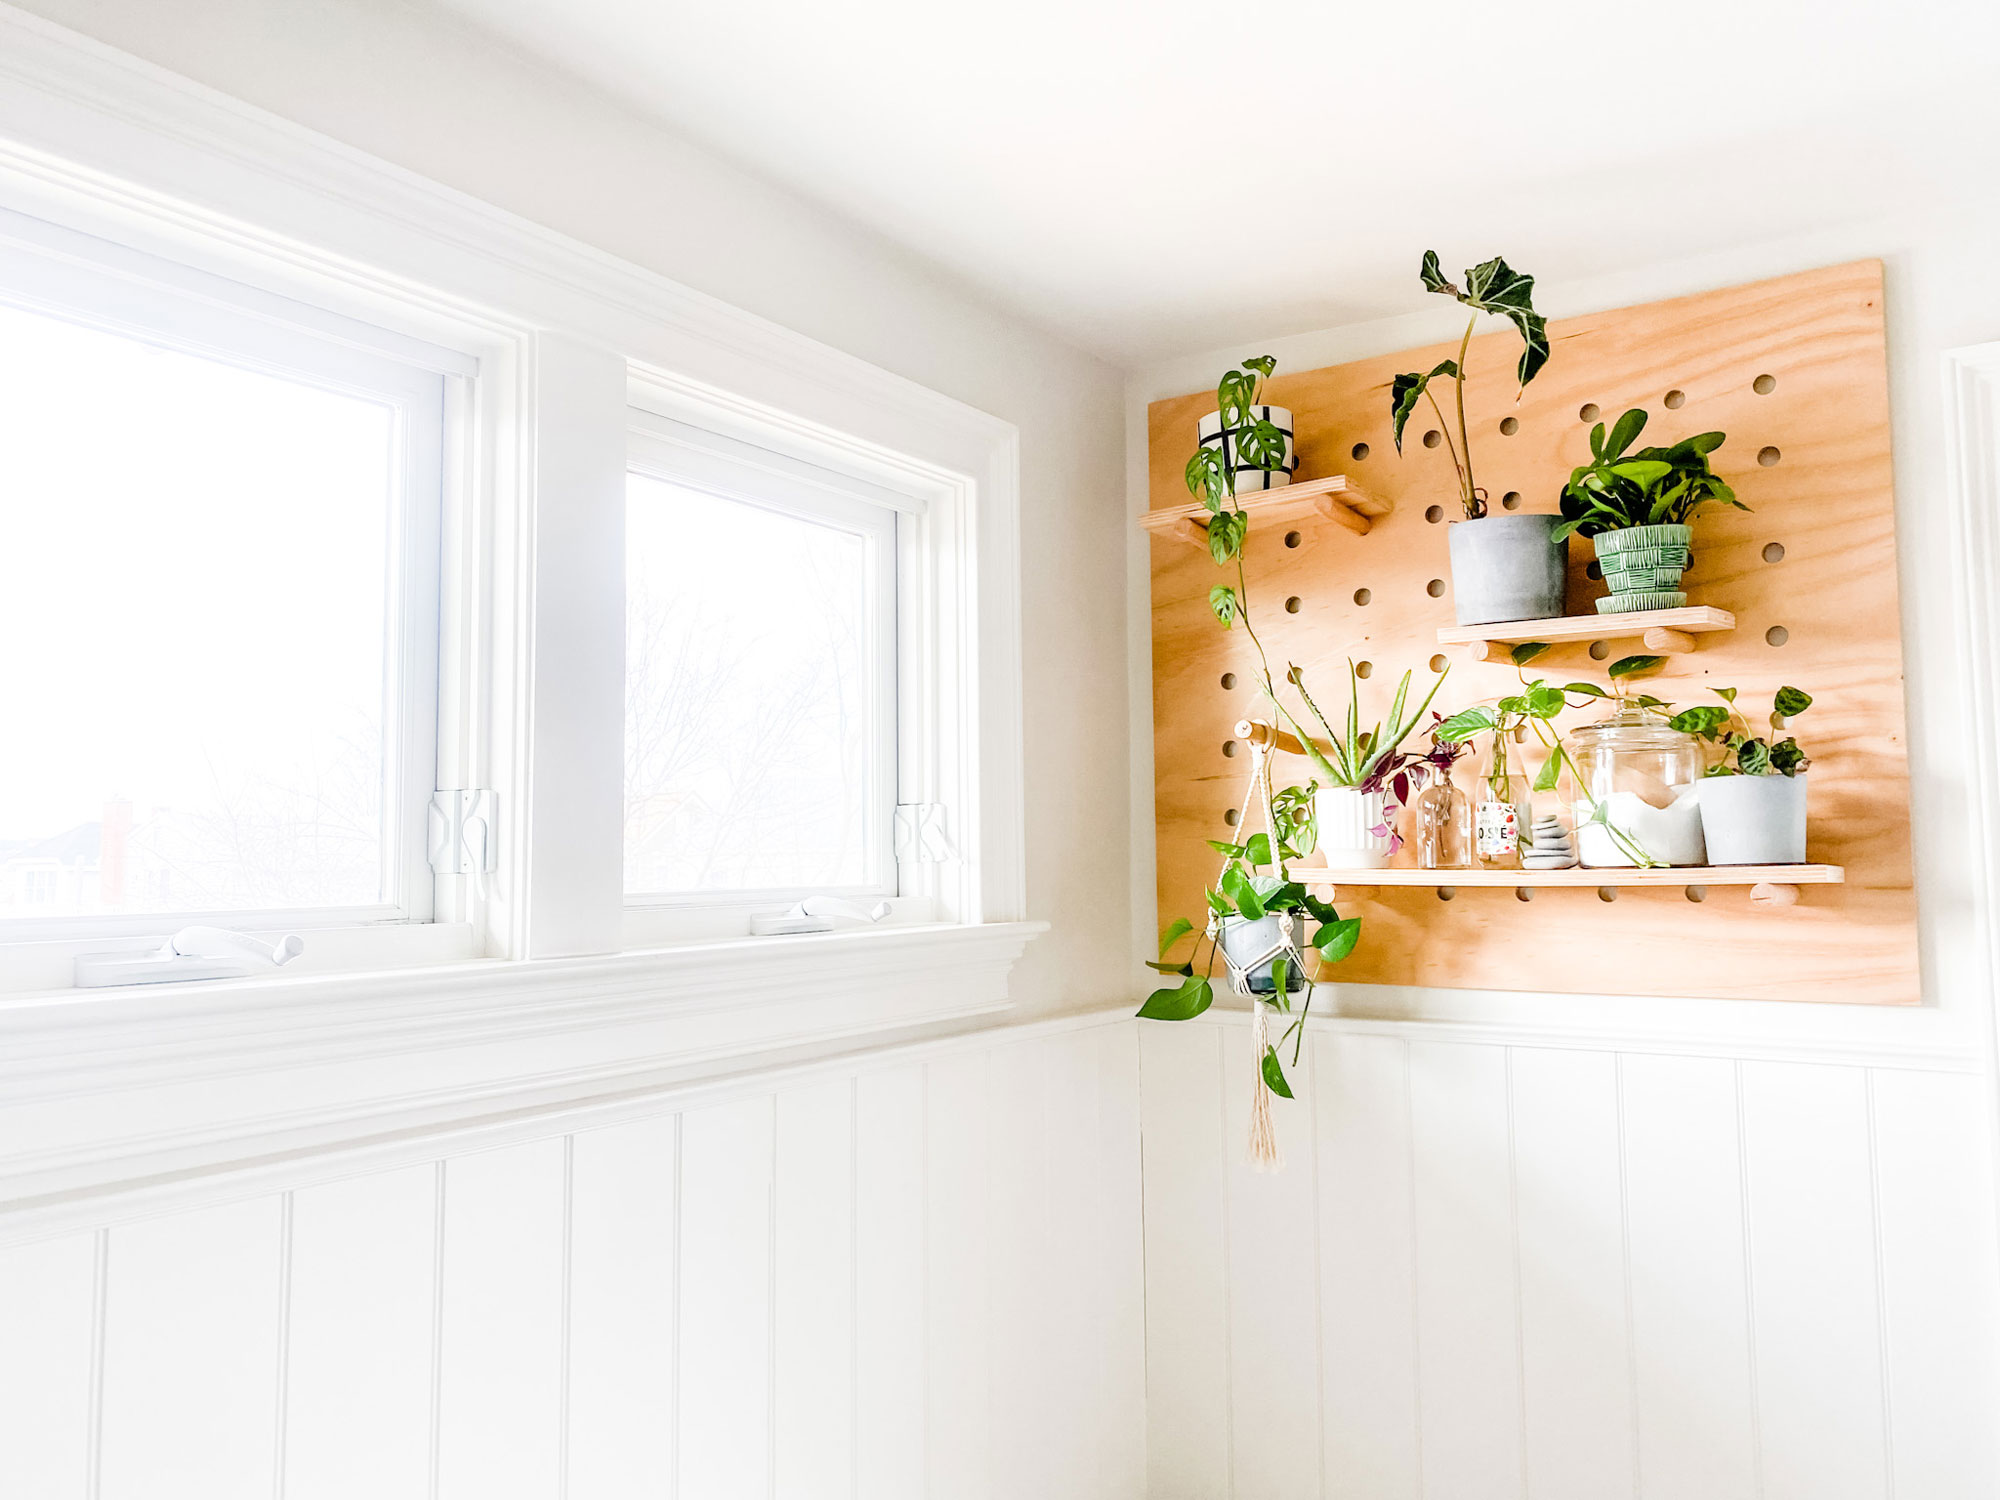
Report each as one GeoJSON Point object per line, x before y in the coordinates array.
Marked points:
{"type": "Point", "coordinates": [1591, 1271]}
{"type": "Point", "coordinates": [912, 1274]}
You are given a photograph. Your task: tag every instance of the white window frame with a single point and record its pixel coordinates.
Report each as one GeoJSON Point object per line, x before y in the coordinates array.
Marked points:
{"type": "Point", "coordinates": [663, 449]}
{"type": "Point", "coordinates": [55, 272]}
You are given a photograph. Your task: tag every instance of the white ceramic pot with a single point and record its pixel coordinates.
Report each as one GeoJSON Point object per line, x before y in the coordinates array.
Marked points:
{"type": "Point", "coordinates": [1211, 434]}
{"type": "Point", "coordinates": [1353, 828]}
{"type": "Point", "coordinates": [1754, 820]}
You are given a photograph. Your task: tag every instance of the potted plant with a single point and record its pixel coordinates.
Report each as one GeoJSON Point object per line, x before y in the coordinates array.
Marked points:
{"type": "Point", "coordinates": [1367, 775]}
{"type": "Point", "coordinates": [1635, 508]}
{"type": "Point", "coordinates": [1252, 443]}
{"type": "Point", "coordinates": [1753, 801]}
{"type": "Point", "coordinates": [1503, 567]}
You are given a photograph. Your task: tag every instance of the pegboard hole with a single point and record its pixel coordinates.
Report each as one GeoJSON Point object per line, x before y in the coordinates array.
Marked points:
{"type": "Point", "coordinates": [1587, 412]}
{"type": "Point", "coordinates": [1774, 552]}
{"type": "Point", "coordinates": [1763, 385]}
{"type": "Point", "coordinates": [1768, 457]}
{"type": "Point", "coordinates": [1697, 893]}
{"type": "Point", "coordinates": [1229, 747]}
{"type": "Point", "coordinates": [1523, 893]}
{"type": "Point", "coordinates": [1292, 539]}
{"type": "Point", "coordinates": [1435, 588]}
{"type": "Point", "coordinates": [1292, 605]}
{"type": "Point", "coordinates": [1447, 893]}
{"type": "Point", "coordinates": [1364, 669]}
{"type": "Point", "coordinates": [1438, 662]}
{"type": "Point", "coordinates": [1434, 514]}
{"type": "Point", "coordinates": [1433, 438]}
{"type": "Point", "coordinates": [1599, 650]}
{"type": "Point", "coordinates": [1607, 893]}
{"type": "Point", "coordinates": [1593, 571]}
{"type": "Point", "coordinates": [1228, 680]}
{"type": "Point", "coordinates": [1676, 400]}
{"type": "Point", "coordinates": [1509, 426]}
{"type": "Point", "coordinates": [1232, 817]}
{"type": "Point", "coordinates": [1362, 596]}
{"type": "Point", "coordinates": [1511, 500]}
{"type": "Point", "coordinates": [1359, 451]}
{"type": "Point", "coordinates": [1777, 635]}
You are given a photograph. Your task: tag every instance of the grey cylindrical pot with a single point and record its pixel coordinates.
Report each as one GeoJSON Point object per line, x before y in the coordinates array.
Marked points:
{"type": "Point", "coordinates": [1243, 940]}
{"type": "Point", "coordinates": [1754, 820]}
{"type": "Point", "coordinates": [1506, 568]}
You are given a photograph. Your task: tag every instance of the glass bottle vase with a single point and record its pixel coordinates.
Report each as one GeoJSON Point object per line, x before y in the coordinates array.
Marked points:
{"type": "Point", "coordinates": [1443, 831]}
{"type": "Point", "coordinates": [1502, 808]}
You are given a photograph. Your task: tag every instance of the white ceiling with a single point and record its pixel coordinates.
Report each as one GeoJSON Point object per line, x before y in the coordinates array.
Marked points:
{"type": "Point", "coordinates": [1148, 177]}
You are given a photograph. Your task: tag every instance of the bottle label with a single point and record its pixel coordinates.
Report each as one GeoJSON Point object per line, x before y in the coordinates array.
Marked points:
{"type": "Point", "coordinates": [1498, 830]}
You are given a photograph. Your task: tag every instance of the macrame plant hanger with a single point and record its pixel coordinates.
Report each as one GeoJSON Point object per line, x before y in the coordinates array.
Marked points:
{"type": "Point", "coordinates": [1264, 1155]}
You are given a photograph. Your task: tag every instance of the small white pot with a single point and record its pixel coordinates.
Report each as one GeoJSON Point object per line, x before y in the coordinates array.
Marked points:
{"type": "Point", "coordinates": [1754, 820]}
{"type": "Point", "coordinates": [1210, 432]}
{"type": "Point", "coordinates": [1348, 820]}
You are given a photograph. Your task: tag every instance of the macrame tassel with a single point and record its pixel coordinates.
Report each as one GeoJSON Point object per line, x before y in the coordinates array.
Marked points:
{"type": "Point", "coordinates": [1264, 1153]}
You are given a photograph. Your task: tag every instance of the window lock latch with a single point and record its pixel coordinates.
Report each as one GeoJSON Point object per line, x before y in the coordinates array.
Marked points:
{"type": "Point", "coordinates": [920, 833]}
{"type": "Point", "coordinates": [461, 832]}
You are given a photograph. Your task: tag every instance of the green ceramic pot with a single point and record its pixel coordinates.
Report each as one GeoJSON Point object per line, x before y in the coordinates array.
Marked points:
{"type": "Point", "coordinates": [1642, 566]}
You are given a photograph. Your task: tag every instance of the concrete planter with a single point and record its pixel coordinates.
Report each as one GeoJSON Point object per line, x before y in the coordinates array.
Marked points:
{"type": "Point", "coordinates": [1244, 940]}
{"type": "Point", "coordinates": [1754, 820]}
{"type": "Point", "coordinates": [1348, 820]}
{"type": "Point", "coordinates": [1642, 566]}
{"type": "Point", "coordinates": [1248, 481]}
{"type": "Point", "coordinates": [1506, 568]}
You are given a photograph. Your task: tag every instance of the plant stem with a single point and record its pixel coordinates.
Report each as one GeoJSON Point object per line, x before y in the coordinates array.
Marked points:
{"type": "Point", "coordinates": [1444, 426]}
{"type": "Point", "coordinates": [1465, 438]}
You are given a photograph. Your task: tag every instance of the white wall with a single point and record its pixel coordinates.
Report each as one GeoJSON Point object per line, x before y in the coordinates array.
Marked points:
{"type": "Point", "coordinates": [916, 1274]}
{"type": "Point", "coordinates": [427, 92]}
{"type": "Point", "coordinates": [1566, 1270]}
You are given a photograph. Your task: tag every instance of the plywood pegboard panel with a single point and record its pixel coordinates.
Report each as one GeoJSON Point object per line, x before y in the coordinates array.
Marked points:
{"type": "Point", "coordinates": [1825, 496]}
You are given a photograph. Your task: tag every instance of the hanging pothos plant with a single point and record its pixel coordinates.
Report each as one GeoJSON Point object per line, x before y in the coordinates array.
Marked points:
{"type": "Point", "coordinates": [1491, 287]}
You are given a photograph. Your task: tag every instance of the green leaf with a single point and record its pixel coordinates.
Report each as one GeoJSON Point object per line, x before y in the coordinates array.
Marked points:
{"type": "Point", "coordinates": [1632, 665]}
{"type": "Point", "coordinates": [1183, 967]}
{"type": "Point", "coordinates": [1753, 757]}
{"type": "Point", "coordinates": [1704, 719]}
{"type": "Point", "coordinates": [1545, 702]}
{"type": "Point", "coordinates": [1234, 851]}
{"type": "Point", "coordinates": [1646, 700]}
{"type": "Point", "coordinates": [1629, 427]}
{"type": "Point", "coordinates": [1179, 929]}
{"type": "Point", "coordinates": [1225, 534]}
{"type": "Point", "coordinates": [1727, 695]}
{"type": "Point", "coordinates": [1274, 1074]}
{"type": "Point", "coordinates": [1233, 395]}
{"type": "Point", "coordinates": [1405, 391]}
{"type": "Point", "coordinates": [1219, 904]}
{"type": "Point", "coordinates": [1281, 975]}
{"type": "Point", "coordinates": [1257, 851]}
{"type": "Point", "coordinates": [1261, 445]}
{"type": "Point", "coordinates": [1336, 939]}
{"type": "Point", "coordinates": [1550, 773]}
{"type": "Point", "coordinates": [1494, 286]}
{"type": "Point", "coordinates": [1527, 651]}
{"type": "Point", "coordinates": [1237, 887]}
{"type": "Point", "coordinates": [1223, 604]}
{"type": "Point", "coordinates": [1208, 477]}
{"type": "Point", "coordinates": [1432, 275]}
{"type": "Point", "coordinates": [1181, 1002]}
{"type": "Point", "coordinates": [1263, 364]}
{"type": "Point", "coordinates": [1791, 702]}
{"type": "Point", "coordinates": [1588, 689]}
{"type": "Point", "coordinates": [1787, 759]}
{"type": "Point", "coordinates": [1464, 724]}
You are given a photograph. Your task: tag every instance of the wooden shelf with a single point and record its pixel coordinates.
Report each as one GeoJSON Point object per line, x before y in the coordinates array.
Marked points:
{"type": "Point", "coordinates": [1335, 498]}
{"type": "Point", "coordinates": [1776, 885]}
{"type": "Point", "coordinates": [1666, 632]}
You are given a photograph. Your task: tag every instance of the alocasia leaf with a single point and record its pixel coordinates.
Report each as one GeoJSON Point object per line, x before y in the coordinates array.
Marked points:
{"type": "Point", "coordinates": [1494, 286]}
{"type": "Point", "coordinates": [1787, 759]}
{"type": "Point", "coordinates": [1405, 391]}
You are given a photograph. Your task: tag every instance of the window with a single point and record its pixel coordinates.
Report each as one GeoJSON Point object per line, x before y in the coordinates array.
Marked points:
{"type": "Point", "coordinates": [219, 582]}
{"type": "Point", "coordinates": [760, 679]}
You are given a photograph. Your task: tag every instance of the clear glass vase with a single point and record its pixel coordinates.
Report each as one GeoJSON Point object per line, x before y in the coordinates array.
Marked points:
{"type": "Point", "coordinates": [1635, 797]}
{"type": "Point", "coordinates": [1502, 810]}
{"type": "Point", "coordinates": [1442, 831]}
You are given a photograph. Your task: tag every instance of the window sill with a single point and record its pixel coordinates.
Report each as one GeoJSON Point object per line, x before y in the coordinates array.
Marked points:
{"type": "Point", "coordinates": [119, 1091]}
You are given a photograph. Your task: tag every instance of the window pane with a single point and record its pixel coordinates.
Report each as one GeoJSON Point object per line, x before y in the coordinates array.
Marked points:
{"type": "Point", "coordinates": [192, 564]}
{"type": "Point", "coordinates": [748, 696]}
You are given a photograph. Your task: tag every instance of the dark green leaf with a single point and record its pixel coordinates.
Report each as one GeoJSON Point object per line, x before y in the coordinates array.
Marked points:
{"type": "Point", "coordinates": [1787, 759]}
{"type": "Point", "coordinates": [1704, 719]}
{"type": "Point", "coordinates": [1646, 700]}
{"type": "Point", "coordinates": [1281, 977]}
{"type": "Point", "coordinates": [1222, 603]}
{"type": "Point", "coordinates": [1791, 702]}
{"type": "Point", "coordinates": [1166, 968]}
{"type": "Point", "coordinates": [1274, 1074]}
{"type": "Point", "coordinates": [1178, 929]}
{"type": "Point", "coordinates": [1587, 689]}
{"type": "Point", "coordinates": [1494, 286]}
{"type": "Point", "coordinates": [1629, 427]}
{"type": "Point", "coordinates": [1432, 275]}
{"type": "Point", "coordinates": [1336, 939]}
{"type": "Point", "coordinates": [1405, 391]}
{"type": "Point", "coordinates": [1181, 1002]}
{"type": "Point", "coordinates": [1753, 757]}
{"type": "Point", "coordinates": [1219, 904]}
{"type": "Point", "coordinates": [1237, 887]}
{"type": "Point", "coordinates": [1527, 651]}
{"type": "Point", "coordinates": [1225, 534]}
{"type": "Point", "coordinates": [1631, 665]}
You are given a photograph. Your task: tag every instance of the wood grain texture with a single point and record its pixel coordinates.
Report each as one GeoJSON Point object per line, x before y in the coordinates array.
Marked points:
{"type": "Point", "coordinates": [1828, 501]}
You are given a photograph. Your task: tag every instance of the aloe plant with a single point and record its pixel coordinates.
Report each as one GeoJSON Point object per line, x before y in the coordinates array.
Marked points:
{"type": "Point", "coordinates": [1353, 758]}
{"type": "Point", "coordinates": [1491, 287]}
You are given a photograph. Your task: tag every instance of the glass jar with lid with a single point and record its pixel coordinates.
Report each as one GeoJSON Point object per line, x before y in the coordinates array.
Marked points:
{"type": "Point", "coordinates": [1643, 775]}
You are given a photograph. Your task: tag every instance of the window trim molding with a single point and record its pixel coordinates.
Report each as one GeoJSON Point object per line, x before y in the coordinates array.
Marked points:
{"type": "Point", "coordinates": [106, 144]}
